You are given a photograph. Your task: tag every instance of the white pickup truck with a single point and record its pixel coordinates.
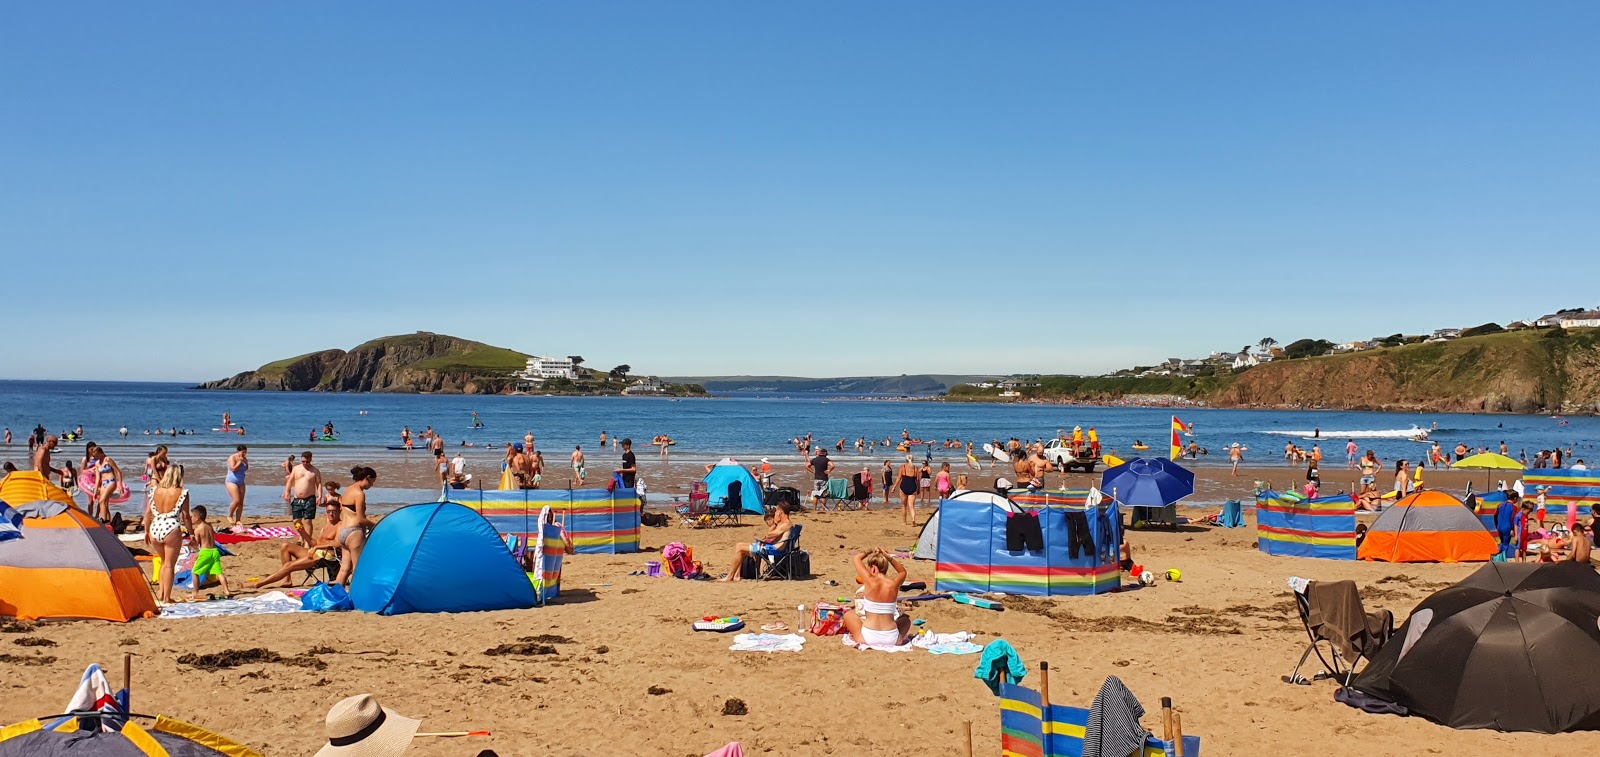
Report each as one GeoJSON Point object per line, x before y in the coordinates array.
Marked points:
{"type": "Point", "coordinates": [1060, 455]}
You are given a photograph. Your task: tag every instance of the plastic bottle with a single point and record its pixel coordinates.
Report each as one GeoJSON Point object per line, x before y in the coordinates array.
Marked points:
{"type": "Point", "coordinates": [800, 619]}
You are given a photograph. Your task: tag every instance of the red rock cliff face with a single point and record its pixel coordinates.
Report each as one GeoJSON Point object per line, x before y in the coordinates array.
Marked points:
{"type": "Point", "coordinates": [1515, 373]}
{"type": "Point", "coordinates": [431, 363]}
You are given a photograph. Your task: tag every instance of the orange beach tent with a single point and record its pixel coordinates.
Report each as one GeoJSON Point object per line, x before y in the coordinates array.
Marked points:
{"type": "Point", "coordinates": [1429, 526]}
{"type": "Point", "coordinates": [66, 565]}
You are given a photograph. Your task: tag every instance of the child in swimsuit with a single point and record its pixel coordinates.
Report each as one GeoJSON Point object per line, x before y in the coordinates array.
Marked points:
{"type": "Point", "coordinates": [208, 560]}
{"type": "Point", "coordinates": [877, 620]}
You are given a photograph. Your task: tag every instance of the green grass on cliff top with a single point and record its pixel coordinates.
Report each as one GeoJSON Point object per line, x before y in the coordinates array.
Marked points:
{"type": "Point", "coordinates": [277, 367]}
{"type": "Point", "coordinates": [467, 357]}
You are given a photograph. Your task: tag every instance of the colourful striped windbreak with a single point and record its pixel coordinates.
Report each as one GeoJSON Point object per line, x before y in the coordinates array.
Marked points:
{"type": "Point", "coordinates": [1323, 527]}
{"type": "Point", "coordinates": [1026, 732]}
{"type": "Point", "coordinates": [1486, 505]}
{"type": "Point", "coordinates": [1567, 487]}
{"type": "Point", "coordinates": [973, 554]}
{"type": "Point", "coordinates": [597, 521]}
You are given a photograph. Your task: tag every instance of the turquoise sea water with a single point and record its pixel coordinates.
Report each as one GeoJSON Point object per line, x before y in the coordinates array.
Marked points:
{"type": "Point", "coordinates": [706, 429]}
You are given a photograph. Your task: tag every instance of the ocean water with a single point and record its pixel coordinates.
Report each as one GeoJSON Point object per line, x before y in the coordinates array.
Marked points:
{"type": "Point", "coordinates": [710, 428]}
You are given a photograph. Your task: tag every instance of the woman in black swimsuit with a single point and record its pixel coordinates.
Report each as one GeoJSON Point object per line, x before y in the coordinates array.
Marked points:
{"type": "Point", "coordinates": [908, 492]}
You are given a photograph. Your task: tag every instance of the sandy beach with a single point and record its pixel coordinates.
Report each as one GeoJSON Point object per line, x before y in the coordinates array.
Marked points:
{"type": "Point", "coordinates": [628, 676]}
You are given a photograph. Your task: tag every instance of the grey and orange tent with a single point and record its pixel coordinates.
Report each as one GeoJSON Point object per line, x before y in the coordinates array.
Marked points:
{"type": "Point", "coordinates": [1429, 526]}
{"type": "Point", "coordinates": [66, 564]}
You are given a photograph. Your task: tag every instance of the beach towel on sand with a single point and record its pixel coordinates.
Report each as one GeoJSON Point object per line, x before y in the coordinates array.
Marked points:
{"type": "Point", "coordinates": [271, 603]}
{"type": "Point", "coordinates": [768, 642]}
{"type": "Point", "coordinates": [731, 750]}
{"type": "Point", "coordinates": [1000, 657]}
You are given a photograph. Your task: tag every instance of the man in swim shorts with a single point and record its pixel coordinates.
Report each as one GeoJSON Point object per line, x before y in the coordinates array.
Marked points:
{"type": "Point", "coordinates": [300, 489]}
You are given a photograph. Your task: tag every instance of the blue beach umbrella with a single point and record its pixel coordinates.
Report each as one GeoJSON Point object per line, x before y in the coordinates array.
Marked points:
{"type": "Point", "coordinates": [1148, 482]}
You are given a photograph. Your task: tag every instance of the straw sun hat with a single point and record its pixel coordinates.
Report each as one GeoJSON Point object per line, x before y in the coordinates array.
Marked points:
{"type": "Point", "coordinates": [359, 727]}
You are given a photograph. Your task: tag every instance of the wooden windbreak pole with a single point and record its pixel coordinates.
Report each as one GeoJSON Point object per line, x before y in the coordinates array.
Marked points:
{"type": "Point", "coordinates": [1166, 718]}
{"type": "Point", "coordinates": [1044, 685]}
{"type": "Point", "coordinates": [966, 725]}
{"type": "Point", "coordinates": [1177, 733]}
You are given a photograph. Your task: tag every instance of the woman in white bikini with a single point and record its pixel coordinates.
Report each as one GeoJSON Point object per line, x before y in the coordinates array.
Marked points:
{"type": "Point", "coordinates": [164, 522]}
{"type": "Point", "coordinates": [355, 525]}
{"type": "Point", "coordinates": [877, 620]}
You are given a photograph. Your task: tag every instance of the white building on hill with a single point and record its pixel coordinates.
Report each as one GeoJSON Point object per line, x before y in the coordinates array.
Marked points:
{"type": "Point", "coordinates": [1585, 320]}
{"type": "Point", "coordinates": [540, 368]}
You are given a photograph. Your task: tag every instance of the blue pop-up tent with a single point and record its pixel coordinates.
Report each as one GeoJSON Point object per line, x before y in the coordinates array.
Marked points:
{"type": "Point", "coordinates": [438, 557]}
{"type": "Point", "coordinates": [723, 474]}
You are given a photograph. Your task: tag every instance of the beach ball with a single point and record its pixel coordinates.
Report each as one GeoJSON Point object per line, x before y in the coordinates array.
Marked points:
{"type": "Point", "coordinates": [1147, 578]}
{"type": "Point", "coordinates": [1174, 575]}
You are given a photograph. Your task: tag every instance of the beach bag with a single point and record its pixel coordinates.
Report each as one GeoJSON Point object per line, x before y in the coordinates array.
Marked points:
{"type": "Point", "coordinates": [680, 560]}
{"type": "Point", "coordinates": [616, 483]}
{"type": "Point", "coordinates": [783, 495]}
{"type": "Point", "coordinates": [827, 619]}
{"type": "Point", "coordinates": [325, 597]}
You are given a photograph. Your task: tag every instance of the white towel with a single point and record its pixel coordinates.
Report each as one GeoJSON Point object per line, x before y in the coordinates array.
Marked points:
{"type": "Point", "coordinates": [768, 642]}
{"type": "Point", "coordinates": [928, 639]}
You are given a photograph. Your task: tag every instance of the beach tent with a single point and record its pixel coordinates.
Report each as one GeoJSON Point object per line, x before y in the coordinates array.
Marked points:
{"type": "Point", "coordinates": [65, 565]}
{"type": "Point", "coordinates": [438, 557]}
{"type": "Point", "coordinates": [1322, 527]}
{"type": "Point", "coordinates": [928, 540]}
{"type": "Point", "coordinates": [597, 521]}
{"type": "Point", "coordinates": [973, 552]}
{"type": "Point", "coordinates": [26, 486]}
{"type": "Point", "coordinates": [727, 472]}
{"type": "Point", "coordinates": [1429, 526]}
{"type": "Point", "coordinates": [35, 738]}
{"type": "Point", "coordinates": [1514, 647]}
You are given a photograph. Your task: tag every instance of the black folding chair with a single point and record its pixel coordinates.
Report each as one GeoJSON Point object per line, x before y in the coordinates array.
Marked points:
{"type": "Point", "coordinates": [1335, 665]}
{"type": "Point", "coordinates": [731, 507]}
{"type": "Point", "coordinates": [788, 561]}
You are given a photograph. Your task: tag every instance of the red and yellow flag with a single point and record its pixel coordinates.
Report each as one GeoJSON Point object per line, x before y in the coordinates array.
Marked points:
{"type": "Point", "coordinates": [1179, 428]}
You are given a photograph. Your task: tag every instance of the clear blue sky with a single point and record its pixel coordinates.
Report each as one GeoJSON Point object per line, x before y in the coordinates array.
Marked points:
{"type": "Point", "coordinates": [188, 190]}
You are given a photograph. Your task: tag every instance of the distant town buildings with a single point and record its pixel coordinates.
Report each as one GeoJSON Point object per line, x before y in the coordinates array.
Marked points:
{"type": "Point", "coordinates": [1587, 319]}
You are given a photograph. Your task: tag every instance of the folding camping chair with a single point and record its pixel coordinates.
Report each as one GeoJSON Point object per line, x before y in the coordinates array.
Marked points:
{"type": "Point", "coordinates": [698, 512]}
{"type": "Point", "coordinates": [858, 496]}
{"type": "Point", "coordinates": [1326, 640]}
{"type": "Point", "coordinates": [328, 568]}
{"type": "Point", "coordinates": [834, 495]}
{"type": "Point", "coordinates": [727, 512]}
{"type": "Point", "coordinates": [787, 561]}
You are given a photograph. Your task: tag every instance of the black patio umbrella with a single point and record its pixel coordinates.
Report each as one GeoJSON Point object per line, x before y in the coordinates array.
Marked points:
{"type": "Point", "coordinates": [1514, 647]}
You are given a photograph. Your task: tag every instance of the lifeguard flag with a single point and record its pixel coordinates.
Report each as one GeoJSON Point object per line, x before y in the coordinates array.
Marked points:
{"type": "Point", "coordinates": [1179, 428]}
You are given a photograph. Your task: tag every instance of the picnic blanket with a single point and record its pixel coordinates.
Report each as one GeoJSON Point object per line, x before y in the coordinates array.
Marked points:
{"type": "Point", "coordinates": [271, 603]}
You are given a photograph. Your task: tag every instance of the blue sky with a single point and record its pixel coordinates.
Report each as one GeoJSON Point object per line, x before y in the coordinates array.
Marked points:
{"type": "Point", "coordinates": [190, 190]}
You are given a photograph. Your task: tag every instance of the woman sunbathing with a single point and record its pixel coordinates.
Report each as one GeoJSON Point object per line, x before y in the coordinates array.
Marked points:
{"type": "Point", "coordinates": [877, 620]}
{"type": "Point", "coordinates": [296, 557]}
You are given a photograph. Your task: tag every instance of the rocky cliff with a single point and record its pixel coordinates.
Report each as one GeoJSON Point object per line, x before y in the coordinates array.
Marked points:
{"type": "Point", "coordinates": [1531, 371]}
{"type": "Point", "coordinates": [420, 362]}
{"type": "Point", "coordinates": [1517, 372]}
